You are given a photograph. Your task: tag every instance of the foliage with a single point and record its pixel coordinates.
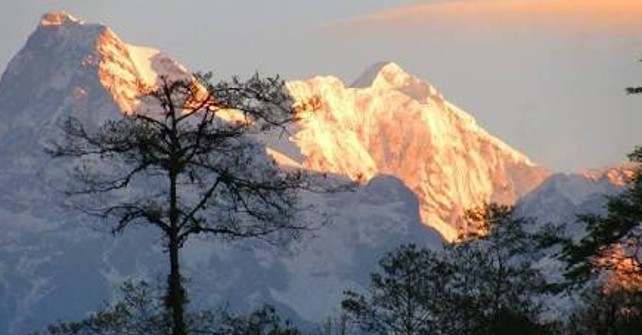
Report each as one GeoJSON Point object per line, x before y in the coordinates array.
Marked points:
{"type": "Point", "coordinates": [140, 313]}
{"type": "Point", "coordinates": [264, 321]}
{"type": "Point", "coordinates": [611, 246]}
{"type": "Point", "coordinates": [482, 284]}
{"type": "Point", "coordinates": [137, 313]}
{"type": "Point", "coordinates": [494, 286]}
{"type": "Point", "coordinates": [612, 241]}
{"type": "Point", "coordinates": [607, 312]}
{"type": "Point", "coordinates": [340, 325]}
{"type": "Point", "coordinates": [402, 296]}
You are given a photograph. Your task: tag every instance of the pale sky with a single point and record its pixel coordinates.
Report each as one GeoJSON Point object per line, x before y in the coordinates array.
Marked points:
{"type": "Point", "coordinates": [545, 76]}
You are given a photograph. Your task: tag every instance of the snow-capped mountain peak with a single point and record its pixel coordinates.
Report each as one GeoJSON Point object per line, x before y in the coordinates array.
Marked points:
{"type": "Point", "coordinates": [391, 122]}
{"type": "Point", "coordinates": [389, 75]}
{"type": "Point", "coordinates": [66, 56]}
{"type": "Point", "coordinates": [59, 18]}
{"type": "Point", "coordinates": [383, 73]}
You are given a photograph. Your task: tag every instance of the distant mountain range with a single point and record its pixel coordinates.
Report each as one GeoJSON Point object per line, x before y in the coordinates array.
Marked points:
{"type": "Point", "coordinates": [422, 161]}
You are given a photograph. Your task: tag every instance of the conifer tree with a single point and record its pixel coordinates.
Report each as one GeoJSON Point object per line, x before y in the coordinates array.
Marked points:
{"type": "Point", "coordinates": [613, 241]}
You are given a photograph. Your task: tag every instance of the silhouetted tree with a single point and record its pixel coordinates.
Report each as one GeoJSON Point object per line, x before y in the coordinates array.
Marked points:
{"type": "Point", "coordinates": [138, 312]}
{"type": "Point", "coordinates": [483, 284]}
{"type": "Point", "coordinates": [494, 288]}
{"type": "Point", "coordinates": [612, 241]}
{"type": "Point", "coordinates": [190, 162]}
{"type": "Point", "coordinates": [141, 312]}
{"type": "Point", "coordinates": [263, 321]}
{"type": "Point", "coordinates": [607, 312]}
{"type": "Point", "coordinates": [611, 246]}
{"type": "Point", "coordinates": [340, 325]}
{"type": "Point", "coordinates": [403, 296]}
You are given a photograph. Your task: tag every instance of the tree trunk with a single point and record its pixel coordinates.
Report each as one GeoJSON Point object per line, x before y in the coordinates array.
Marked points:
{"type": "Point", "coordinates": [176, 293]}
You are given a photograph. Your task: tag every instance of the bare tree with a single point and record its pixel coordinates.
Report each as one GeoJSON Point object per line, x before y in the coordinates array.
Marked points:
{"type": "Point", "coordinates": [190, 163]}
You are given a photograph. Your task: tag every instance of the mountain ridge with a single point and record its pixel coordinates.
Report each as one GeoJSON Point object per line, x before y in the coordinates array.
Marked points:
{"type": "Point", "coordinates": [391, 122]}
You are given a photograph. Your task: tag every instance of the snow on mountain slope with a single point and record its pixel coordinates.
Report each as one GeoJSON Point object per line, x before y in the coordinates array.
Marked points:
{"type": "Point", "coordinates": [56, 264]}
{"type": "Point", "coordinates": [69, 68]}
{"type": "Point", "coordinates": [391, 122]}
{"type": "Point", "coordinates": [561, 197]}
{"type": "Point", "coordinates": [558, 201]}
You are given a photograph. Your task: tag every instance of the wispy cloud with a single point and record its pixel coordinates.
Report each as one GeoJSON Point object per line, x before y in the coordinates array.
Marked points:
{"type": "Point", "coordinates": [604, 12]}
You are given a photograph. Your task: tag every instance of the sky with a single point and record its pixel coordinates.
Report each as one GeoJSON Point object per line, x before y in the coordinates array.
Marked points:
{"type": "Point", "coordinates": [545, 76]}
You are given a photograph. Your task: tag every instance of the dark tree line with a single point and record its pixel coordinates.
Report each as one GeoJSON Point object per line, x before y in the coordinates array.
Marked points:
{"type": "Point", "coordinates": [482, 284]}
{"type": "Point", "coordinates": [139, 312]}
{"type": "Point", "coordinates": [486, 284]}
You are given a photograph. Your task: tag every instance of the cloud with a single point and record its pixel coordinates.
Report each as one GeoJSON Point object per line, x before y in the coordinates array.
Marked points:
{"type": "Point", "coordinates": [604, 13]}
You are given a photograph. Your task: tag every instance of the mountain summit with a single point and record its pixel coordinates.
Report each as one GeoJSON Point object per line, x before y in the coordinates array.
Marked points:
{"type": "Point", "coordinates": [389, 75]}
{"type": "Point", "coordinates": [384, 74]}
{"type": "Point", "coordinates": [58, 19]}
{"type": "Point", "coordinates": [390, 122]}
